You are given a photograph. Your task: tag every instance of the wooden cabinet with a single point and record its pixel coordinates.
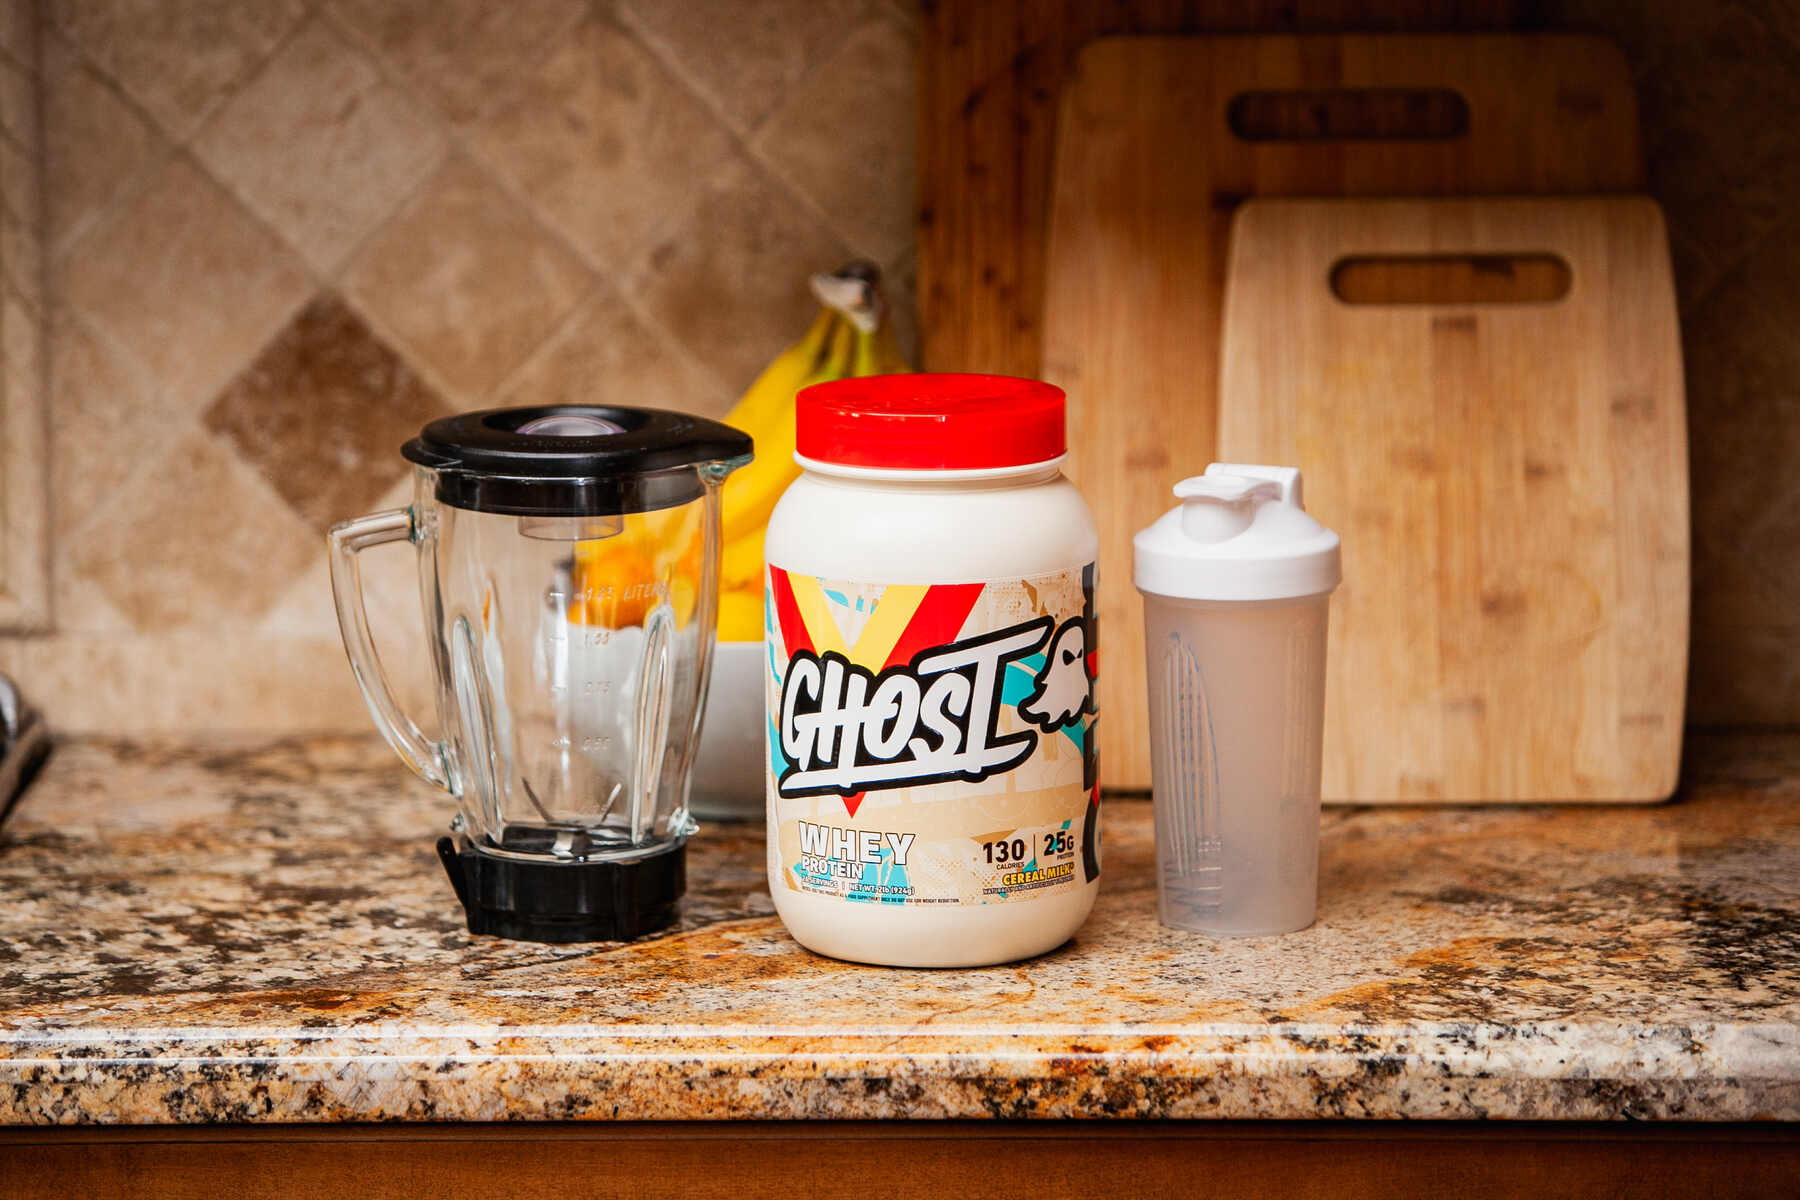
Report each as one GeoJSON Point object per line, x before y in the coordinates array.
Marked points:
{"type": "Point", "coordinates": [964, 1160]}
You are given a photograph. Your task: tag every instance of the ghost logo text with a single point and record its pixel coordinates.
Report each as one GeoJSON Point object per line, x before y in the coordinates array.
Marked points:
{"type": "Point", "coordinates": [845, 730]}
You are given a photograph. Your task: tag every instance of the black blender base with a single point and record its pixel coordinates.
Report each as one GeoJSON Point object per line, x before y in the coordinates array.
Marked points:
{"type": "Point", "coordinates": [565, 902]}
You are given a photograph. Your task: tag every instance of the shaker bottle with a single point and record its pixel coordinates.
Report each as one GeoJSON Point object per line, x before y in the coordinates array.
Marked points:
{"type": "Point", "coordinates": [1237, 581]}
{"type": "Point", "coordinates": [568, 571]}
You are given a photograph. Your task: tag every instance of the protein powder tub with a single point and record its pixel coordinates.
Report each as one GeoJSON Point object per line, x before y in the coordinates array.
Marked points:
{"type": "Point", "coordinates": [933, 797]}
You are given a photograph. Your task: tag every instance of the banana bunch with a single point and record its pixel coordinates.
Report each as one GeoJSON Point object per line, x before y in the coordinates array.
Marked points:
{"type": "Point", "coordinates": [849, 339]}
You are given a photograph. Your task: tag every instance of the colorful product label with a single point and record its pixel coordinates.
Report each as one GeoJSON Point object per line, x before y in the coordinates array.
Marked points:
{"type": "Point", "coordinates": [933, 744]}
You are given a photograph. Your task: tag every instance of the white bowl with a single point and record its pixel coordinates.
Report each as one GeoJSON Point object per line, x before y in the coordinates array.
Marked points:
{"type": "Point", "coordinates": [728, 771]}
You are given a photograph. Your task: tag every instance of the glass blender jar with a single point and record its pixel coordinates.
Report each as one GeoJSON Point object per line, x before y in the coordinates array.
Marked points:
{"type": "Point", "coordinates": [568, 572]}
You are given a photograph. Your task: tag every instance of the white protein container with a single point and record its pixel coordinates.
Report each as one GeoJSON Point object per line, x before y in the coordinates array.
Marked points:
{"type": "Point", "coordinates": [1237, 584]}
{"type": "Point", "coordinates": [915, 820]}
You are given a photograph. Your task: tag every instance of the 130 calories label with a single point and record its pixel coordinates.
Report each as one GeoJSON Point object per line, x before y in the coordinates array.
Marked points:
{"type": "Point", "coordinates": [933, 744]}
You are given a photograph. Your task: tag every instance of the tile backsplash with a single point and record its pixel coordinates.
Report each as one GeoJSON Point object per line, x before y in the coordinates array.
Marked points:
{"type": "Point", "coordinates": [282, 235]}
{"type": "Point", "coordinates": [247, 247]}
{"type": "Point", "coordinates": [24, 469]}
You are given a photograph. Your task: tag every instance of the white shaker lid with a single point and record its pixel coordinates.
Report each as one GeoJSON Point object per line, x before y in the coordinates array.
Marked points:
{"type": "Point", "coordinates": [1239, 533]}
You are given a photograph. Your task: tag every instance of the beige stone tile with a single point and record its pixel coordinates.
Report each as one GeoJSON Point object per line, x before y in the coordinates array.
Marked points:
{"type": "Point", "coordinates": [1722, 62]}
{"type": "Point", "coordinates": [1743, 382]}
{"type": "Point", "coordinates": [1773, 549]}
{"type": "Point", "coordinates": [1743, 668]}
{"type": "Point", "coordinates": [607, 354]}
{"type": "Point", "coordinates": [79, 606]}
{"type": "Point", "coordinates": [391, 599]}
{"type": "Point", "coordinates": [744, 55]}
{"type": "Point", "coordinates": [95, 143]}
{"type": "Point", "coordinates": [103, 423]}
{"type": "Point", "coordinates": [909, 13]}
{"type": "Point", "coordinates": [19, 29]}
{"type": "Point", "coordinates": [21, 183]}
{"type": "Point", "coordinates": [23, 347]}
{"type": "Point", "coordinates": [844, 138]}
{"type": "Point", "coordinates": [1782, 17]}
{"type": "Point", "coordinates": [22, 344]}
{"type": "Point", "coordinates": [1770, 274]}
{"type": "Point", "coordinates": [186, 280]}
{"type": "Point", "coordinates": [15, 374]}
{"type": "Point", "coordinates": [177, 58]}
{"type": "Point", "coordinates": [1684, 178]}
{"type": "Point", "coordinates": [187, 684]}
{"type": "Point", "coordinates": [730, 284]}
{"type": "Point", "coordinates": [1724, 189]}
{"type": "Point", "coordinates": [390, 584]}
{"type": "Point", "coordinates": [466, 280]}
{"type": "Point", "coordinates": [307, 609]}
{"type": "Point", "coordinates": [200, 543]}
{"type": "Point", "coordinates": [605, 143]}
{"type": "Point", "coordinates": [320, 145]}
{"type": "Point", "coordinates": [396, 618]}
{"type": "Point", "coordinates": [1724, 152]}
{"type": "Point", "coordinates": [466, 55]}
{"type": "Point", "coordinates": [900, 287]}
{"type": "Point", "coordinates": [18, 105]}
{"type": "Point", "coordinates": [323, 411]}
{"type": "Point", "coordinates": [22, 260]}
{"type": "Point", "coordinates": [101, 427]}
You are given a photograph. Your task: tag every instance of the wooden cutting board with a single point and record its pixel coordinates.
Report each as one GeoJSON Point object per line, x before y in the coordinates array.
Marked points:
{"type": "Point", "coordinates": [991, 75]}
{"type": "Point", "coordinates": [1160, 138]}
{"type": "Point", "coordinates": [1510, 481]}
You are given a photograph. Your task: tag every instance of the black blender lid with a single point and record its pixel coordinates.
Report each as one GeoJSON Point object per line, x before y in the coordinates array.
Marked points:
{"type": "Point", "coordinates": [573, 459]}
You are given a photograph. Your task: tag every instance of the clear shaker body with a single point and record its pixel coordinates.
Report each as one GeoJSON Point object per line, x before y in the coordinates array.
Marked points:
{"type": "Point", "coordinates": [1237, 713]}
{"type": "Point", "coordinates": [571, 655]}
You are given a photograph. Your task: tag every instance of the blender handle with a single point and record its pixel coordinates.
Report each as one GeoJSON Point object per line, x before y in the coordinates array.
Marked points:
{"type": "Point", "coordinates": [348, 538]}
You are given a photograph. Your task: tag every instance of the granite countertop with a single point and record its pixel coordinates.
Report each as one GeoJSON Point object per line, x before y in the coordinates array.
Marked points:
{"type": "Point", "coordinates": [262, 933]}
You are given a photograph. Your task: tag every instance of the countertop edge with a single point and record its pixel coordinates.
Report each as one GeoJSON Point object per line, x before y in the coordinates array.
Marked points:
{"type": "Point", "coordinates": [1745, 1073]}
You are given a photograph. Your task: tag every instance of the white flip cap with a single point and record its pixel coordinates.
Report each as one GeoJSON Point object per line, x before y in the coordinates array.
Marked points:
{"type": "Point", "coordinates": [1239, 533]}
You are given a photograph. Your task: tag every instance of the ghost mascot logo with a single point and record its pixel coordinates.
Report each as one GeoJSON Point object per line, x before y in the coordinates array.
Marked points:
{"type": "Point", "coordinates": [847, 731]}
{"type": "Point", "coordinates": [1064, 690]}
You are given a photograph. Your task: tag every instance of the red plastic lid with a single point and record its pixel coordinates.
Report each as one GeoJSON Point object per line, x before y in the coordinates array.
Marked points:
{"type": "Point", "coordinates": [927, 421]}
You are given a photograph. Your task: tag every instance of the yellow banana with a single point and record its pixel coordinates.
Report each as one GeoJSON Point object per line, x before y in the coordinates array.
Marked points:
{"type": "Point", "coordinates": [883, 353]}
{"type": "Point", "coordinates": [751, 492]}
{"type": "Point", "coordinates": [849, 338]}
{"type": "Point", "coordinates": [862, 360]}
{"type": "Point", "coordinates": [741, 615]}
{"type": "Point", "coordinates": [741, 563]}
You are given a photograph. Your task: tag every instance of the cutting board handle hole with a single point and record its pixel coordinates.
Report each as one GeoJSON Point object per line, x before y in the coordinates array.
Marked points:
{"type": "Point", "coordinates": [1349, 114]}
{"type": "Point", "coordinates": [1451, 279]}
